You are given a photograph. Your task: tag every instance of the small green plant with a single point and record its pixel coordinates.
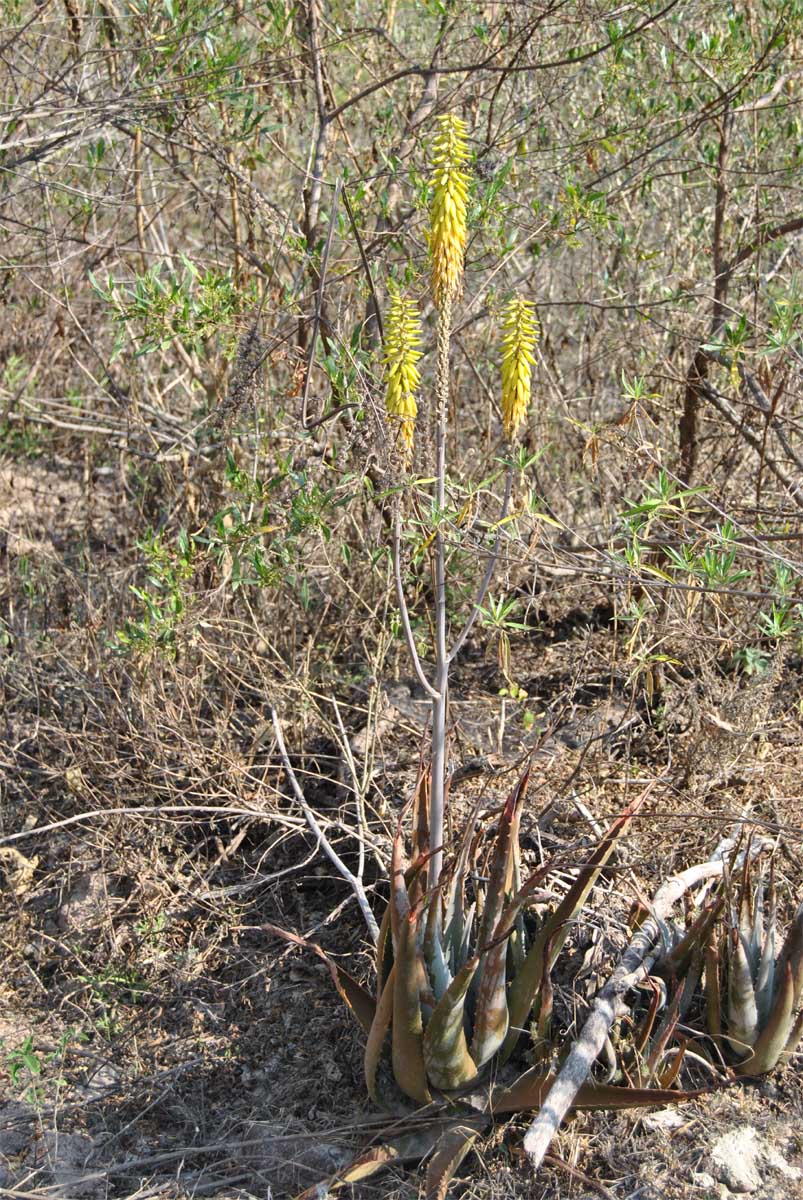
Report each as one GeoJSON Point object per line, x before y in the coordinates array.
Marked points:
{"type": "Point", "coordinates": [111, 991]}
{"type": "Point", "coordinates": [39, 1075]}
{"type": "Point", "coordinates": [159, 307]}
{"type": "Point", "coordinates": [164, 600]}
{"type": "Point", "coordinates": [24, 1066]}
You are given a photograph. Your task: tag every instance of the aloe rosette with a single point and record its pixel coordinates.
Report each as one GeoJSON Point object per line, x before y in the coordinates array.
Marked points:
{"type": "Point", "coordinates": [460, 972]}
{"type": "Point", "coordinates": [752, 992]}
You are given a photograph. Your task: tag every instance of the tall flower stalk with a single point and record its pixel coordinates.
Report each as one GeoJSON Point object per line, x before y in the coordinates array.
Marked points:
{"type": "Point", "coordinates": [447, 236]}
{"type": "Point", "coordinates": [448, 232]}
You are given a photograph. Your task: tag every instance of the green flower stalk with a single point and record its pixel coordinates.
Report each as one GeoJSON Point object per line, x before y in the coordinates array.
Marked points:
{"type": "Point", "coordinates": [447, 233]}
{"type": "Point", "coordinates": [402, 339]}
{"type": "Point", "coordinates": [519, 335]}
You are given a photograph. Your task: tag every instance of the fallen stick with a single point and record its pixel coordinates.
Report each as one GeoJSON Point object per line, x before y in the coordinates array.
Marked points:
{"type": "Point", "coordinates": [354, 881]}
{"type": "Point", "coordinates": [635, 964]}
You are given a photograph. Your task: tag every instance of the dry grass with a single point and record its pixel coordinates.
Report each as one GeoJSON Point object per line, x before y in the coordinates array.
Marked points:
{"type": "Point", "coordinates": [195, 1054]}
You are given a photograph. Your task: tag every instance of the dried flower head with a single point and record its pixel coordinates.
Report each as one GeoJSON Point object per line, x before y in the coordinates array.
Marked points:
{"type": "Point", "coordinates": [519, 335]}
{"type": "Point", "coordinates": [447, 234]}
{"type": "Point", "coordinates": [402, 339]}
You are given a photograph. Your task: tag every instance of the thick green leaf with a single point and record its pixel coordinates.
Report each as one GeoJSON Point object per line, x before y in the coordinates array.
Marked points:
{"type": "Point", "coordinates": [399, 900]}
{"type": "Point", "coordinates": [448, 1062]}
{"type": "Point", "coordinates": [742, 1010]}
{"type": "Point", "coordinates": [771, 1042]}
{"type": "Point", "coordinates": [555, 930]}
{"type": "Point", "coordinates": [765, 977]}
{"type": "Point", "coordinates": [792, 953]}
{"type": "Point", "coordinates": [376, 1036]}
{"type": "Point", "coordinates": [713, 992]}
{"type": "Point", "coordinates": [437, 964]}
{"type": "Point", "coordinates": [357, 999]}
{"type": "Point", "coordinates": [502, 862]}
{"type": "Point", "coordinates": [455, 931]}
{"type": "Point", "coordinates": [407, 1032]}
{"type": "Point", "coordinates": [450, 1151]}
{"type": "Point", "coordinates": [417, 884]}
{"type": "Point", "coordinates": [491, 1007]}
{"type": "Point", "coordinates": [794, 1038]}
{"type": "Point", "coordinates": [531, 1089]}
{"type": "Point", "coordinates": [490, 1012]}
{"type": "Point", "coordinates": [384, 952]}
{"type": "Point", "coordinates": [491, 1017]}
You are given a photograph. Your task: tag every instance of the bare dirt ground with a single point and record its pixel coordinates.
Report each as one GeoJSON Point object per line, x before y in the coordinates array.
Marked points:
{"type": "Point", "coordinates": [158, 1041]}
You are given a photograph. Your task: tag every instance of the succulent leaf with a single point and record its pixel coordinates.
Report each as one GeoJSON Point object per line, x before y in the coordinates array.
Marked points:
{"type": "Point", "coordinates": [448, 1062]}
{"type": "Point", "coordinates": [742, 1009]}
{"type": "Point", "coordinates": [384, 952]}
{"type": "Point", "coordinates": [437, 965]}
{"type": "Point", "coordinates": [376, 1036]}
{"type": "Point", "coordinates": [531, 1088]}
{"type": "Point", "coordinates": [408, 1027]}
{"type": "Point", "coordinates": [399, 900]}
{"type": "Point", "coordinates": [794, 1038]}
{"type": "Point", "coordinates": [450, 1151]}
{"type": "Point", "coordinates": [792, 953]}
{"type": "Point", "coordinates": [555, 930]}
{"type": "Point", "coordinates": [713, 992]}
{"type": "Point", "coordinates": [770, 1043]}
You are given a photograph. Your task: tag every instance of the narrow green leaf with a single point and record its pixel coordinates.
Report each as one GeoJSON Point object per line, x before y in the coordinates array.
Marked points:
{"type": "Point", "coordinates": [742, 1010]}
{"type": "Point", "coordinates": [771, 1042]}
{"type": "Point", "coordinates": [450, 1151]}
{"type": "Point", "coordinates": [376, 1037]}
{"type": "Point", "coordinates": [448, 1062]}
{"type": "Point", "coordinates": [531, 1089]}
{"type": "Point", "coordinates": [407, 1032]}
{"type": "Point", "coordinates": [555, 929]}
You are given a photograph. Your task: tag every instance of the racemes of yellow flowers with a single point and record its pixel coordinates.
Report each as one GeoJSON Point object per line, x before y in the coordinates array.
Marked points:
{"type": "Point", "coordinates": [402, 339]}
{"type": "Point", "coordinates": [447, 244]}
{"type": "Point", "coordinates": [519, 335]}
{"type": "Point", "coordinates": [447, 234]}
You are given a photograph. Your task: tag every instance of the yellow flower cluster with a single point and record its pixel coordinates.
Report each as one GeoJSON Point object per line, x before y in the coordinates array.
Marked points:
{"type": "Point", "coordinates": [402, 339]}
{"type": "Point", "coordinates": [519, 335]}
{"type": "Point", "coordinates": [447, 234]}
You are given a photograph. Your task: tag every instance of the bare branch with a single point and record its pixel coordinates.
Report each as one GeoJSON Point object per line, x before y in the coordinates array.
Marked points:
{"type": "Point", "coordinates": [489, 570]}
{"type": "Point", "coordinates": [352, 880]}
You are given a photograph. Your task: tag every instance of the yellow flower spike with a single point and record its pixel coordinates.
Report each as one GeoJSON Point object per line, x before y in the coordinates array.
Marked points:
{"type": "Point", "coordinates": [519, 335]}
{"type": "Point", "coordinates": [447, 230]}
{"type": "Point", "coordinates": [402, 339]}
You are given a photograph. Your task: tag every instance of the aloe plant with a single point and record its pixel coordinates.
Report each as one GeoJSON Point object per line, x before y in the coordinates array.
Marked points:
{"type": "Point", "coordinates": [761, 990]}
{"type": "Point", "coordinates": [460, 971]}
